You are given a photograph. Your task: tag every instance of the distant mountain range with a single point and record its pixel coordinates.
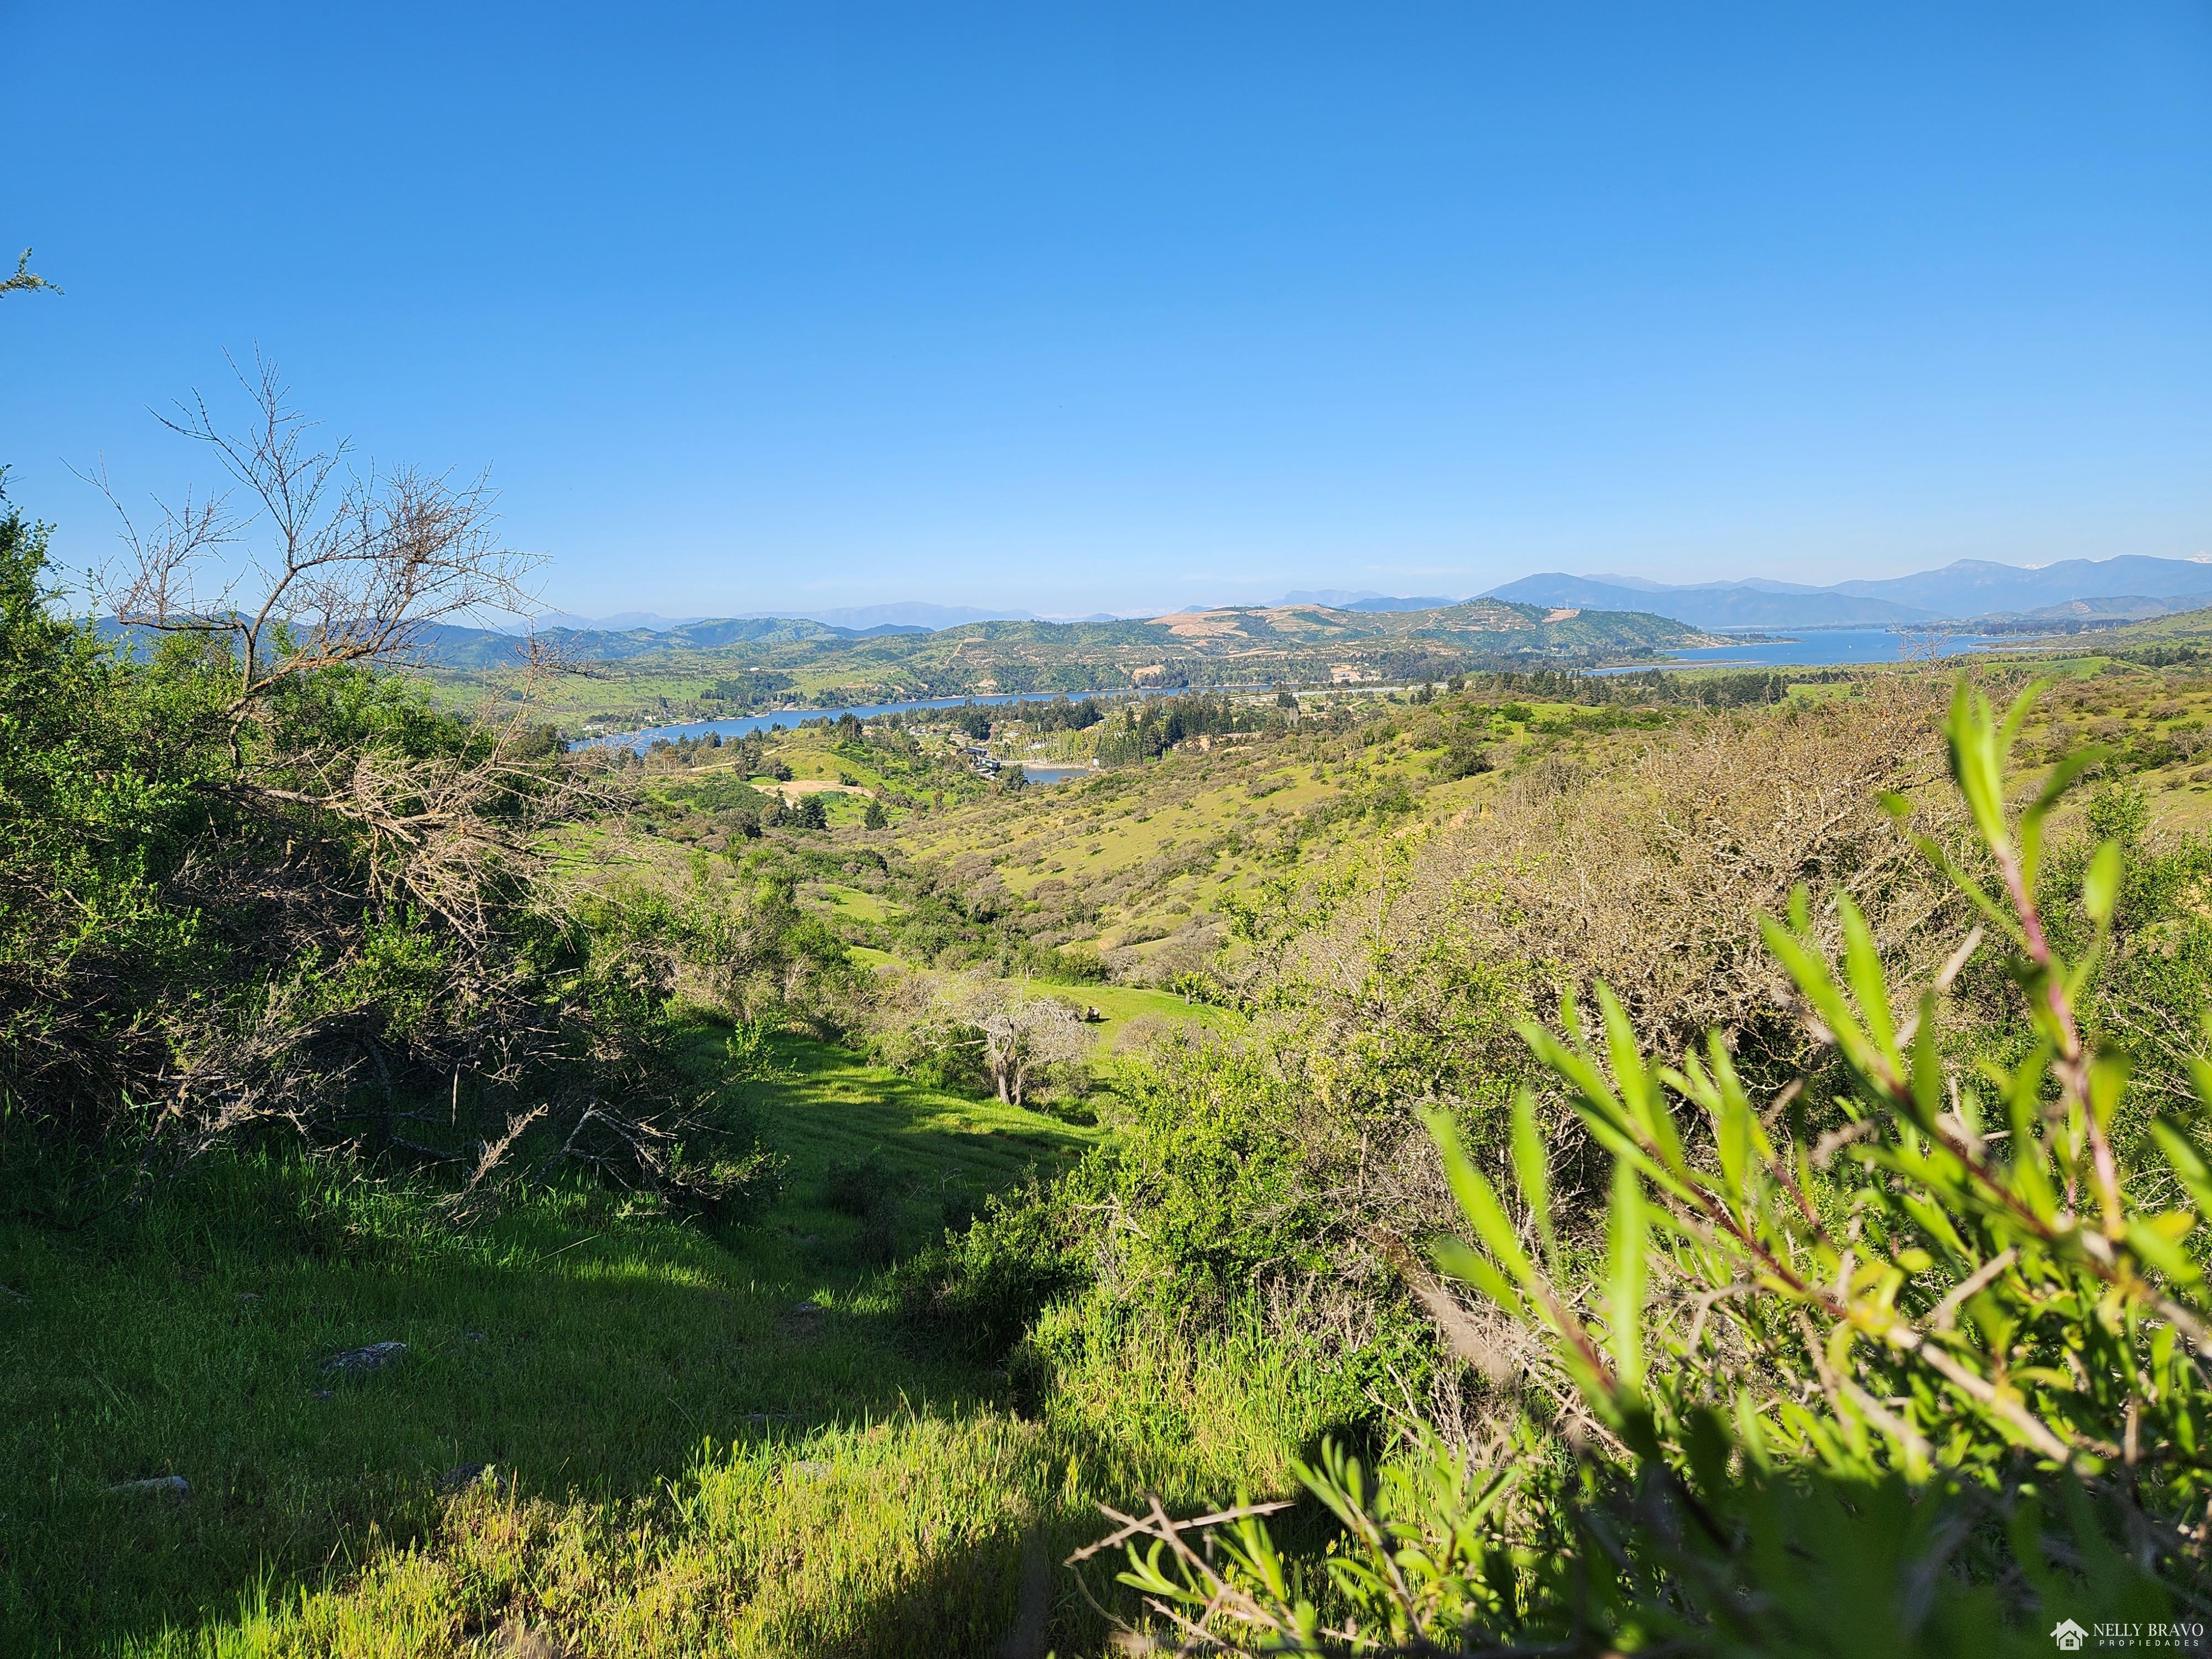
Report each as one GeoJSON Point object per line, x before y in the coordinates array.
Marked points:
{"type": "Point", "coordinates": [901, 616]}
{"type": "Point", "coordinates": [457, 646]}
{"type": "Point", "coordinates": [2130, 586]}
{"type": "Point", "coordinates": [760, 657]}
{"type": "Point", "coordinates": [1339, 598]}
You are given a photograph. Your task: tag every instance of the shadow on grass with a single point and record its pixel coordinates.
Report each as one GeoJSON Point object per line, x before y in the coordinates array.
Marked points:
{"type": "Point", "coordinates": [585, 1351]}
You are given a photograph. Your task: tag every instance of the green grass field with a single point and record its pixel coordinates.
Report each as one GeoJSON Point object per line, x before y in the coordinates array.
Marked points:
{"type": "Point", "coordinates": [1127, 1006]}
{"type": "Point", "coordinates": [619, 1367]}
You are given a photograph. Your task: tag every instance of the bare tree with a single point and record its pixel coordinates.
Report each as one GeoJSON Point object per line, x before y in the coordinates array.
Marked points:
{"type": "Point", "coordinates": [342, 568]}
{"type": "Point", "coordinates": [322, 567]}
{"type": "Point", "coordinates": [1021, 1030]}
{"type": "Point", "coordinates": [344, 814]}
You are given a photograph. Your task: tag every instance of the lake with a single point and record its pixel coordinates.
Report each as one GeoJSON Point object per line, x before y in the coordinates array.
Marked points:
{"type": "Point", "coordinates": [787, 719]}
{"type": "Point", "coordinates": [1813, 648]}
{"type": "Point", "coordinates": [1824, 647]}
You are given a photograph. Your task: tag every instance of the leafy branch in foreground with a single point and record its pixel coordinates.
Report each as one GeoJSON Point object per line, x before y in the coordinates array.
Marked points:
{"type": "Point", "coordinates": [26, 280]}
{"type": "Point", "coordinates": [1908, 1385]}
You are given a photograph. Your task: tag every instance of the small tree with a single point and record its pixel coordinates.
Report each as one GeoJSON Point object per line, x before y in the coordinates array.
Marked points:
{"type": "Point", "coordinates": [340, 570]}
{"type": "Point", "coordinates": [250, 880]}
{"type": "Point", "coordinates": [1021, 1031]}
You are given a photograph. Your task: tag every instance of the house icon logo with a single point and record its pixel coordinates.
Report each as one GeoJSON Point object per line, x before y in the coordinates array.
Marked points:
{"type": "Point", "coordinates": [2068, 1635]}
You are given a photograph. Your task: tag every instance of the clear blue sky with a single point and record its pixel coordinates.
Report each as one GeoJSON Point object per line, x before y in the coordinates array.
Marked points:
{"type": "Point", "coordinates": [1106, 307]}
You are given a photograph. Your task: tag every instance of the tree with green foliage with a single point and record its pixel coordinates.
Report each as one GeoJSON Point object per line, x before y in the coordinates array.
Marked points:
{"type": "Point", "coordinates": [253, 885]}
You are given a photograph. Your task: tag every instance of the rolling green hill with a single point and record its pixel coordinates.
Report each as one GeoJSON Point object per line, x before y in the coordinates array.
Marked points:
{"type": "Point", "coordinates": [2187, 627]}
{"type": "Point", "coordinates": [710, 668]}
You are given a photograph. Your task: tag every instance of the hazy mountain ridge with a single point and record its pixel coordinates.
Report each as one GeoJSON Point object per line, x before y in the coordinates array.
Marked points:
{"type": "Point", "coordinates": [2130, 584]}
{"type": "Point", "coordinates": [1715, 604]}
{"type": "Point", "coordinates": [2124, 586]}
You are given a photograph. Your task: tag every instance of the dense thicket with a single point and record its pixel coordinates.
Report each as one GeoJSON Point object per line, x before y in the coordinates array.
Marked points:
{"type": "Point", "coordinates": [1912, 1359]}
{"type": "Point", "coordinates": [324, 910]}
{"type": "Point", "coordinates": [1147, 729]}
{"type": "Point", "coordinates": [1583, 1452]}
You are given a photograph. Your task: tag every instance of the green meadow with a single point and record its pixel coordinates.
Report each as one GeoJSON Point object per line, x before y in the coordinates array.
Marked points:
{"type": "Point", "coordinates": [597, 1400]}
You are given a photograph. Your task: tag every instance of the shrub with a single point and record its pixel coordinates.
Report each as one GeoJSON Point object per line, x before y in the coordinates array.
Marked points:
{"type": "Point", "coordinates": [978, 1289]}
{"type": "Point", "coordinates": [858, 1187]}
{"type": "Point", "coordinates": [1466, 754]}
{"type": "Point", "coordinates": [252, 886]}
{"type": "Point", "coordinates": [1922, 1383]}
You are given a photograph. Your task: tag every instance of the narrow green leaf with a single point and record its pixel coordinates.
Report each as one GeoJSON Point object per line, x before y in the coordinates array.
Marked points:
{"type": "Point", "coordinates": [1862, 962]}
{"type": "Point", "coordinates": [1627, 1274]}
{"type": "Point", "coordinates": [2027, 1174]}
{"type": "Point", "coordinates": [1456, 1258]}
{"type": "Point", "coordinates": [2016, 716]}
{"type": "Point", "coordinates": [2002, 917]}
{"type": "Point", "coordinates": [2187, 1162]}
{"type": "Point", "coordinates": [2061, 778]}
{"type": "Point", "coordinates": [1732, 1126]}
{"type": "Point", "coordinates": [1629, 1078]}
{"type": "Point", "coordinates": [1532, 1168]}
{"type": "Point", "coordinates": [1936, 1225]}
{"type": "Point", "coordinates": [1638, 1089]}
{"type": "Point", "coordinates": [2101, 888]}
{"type": "Point", "coordinates": [1811, 976]}
{"type": "Point", "coordinates": [1578, 1070]}
{"type": "Point", "coordinates": [2108, 1081]}
{"type": "Point", "coordinates": [2162, 1253]}
{"type": "Point", "coordinates": [1478, 1202]}
{"type": "Point", "coordinates": [1927, 1066]}
{"type": "Point", "coordinates": [1973, 764]}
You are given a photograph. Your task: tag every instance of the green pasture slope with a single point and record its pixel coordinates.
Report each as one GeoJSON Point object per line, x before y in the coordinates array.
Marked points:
{"type": "Point", "coordinates": [747, 1391]}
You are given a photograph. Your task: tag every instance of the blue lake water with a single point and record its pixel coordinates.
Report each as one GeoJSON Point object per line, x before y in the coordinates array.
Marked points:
{"type": "Point", "coordinates": [1813, 648]}
{"type": "Point", "coordinates": [787, 719]}
{"type": "Point", "coordinates": [1826, 648]}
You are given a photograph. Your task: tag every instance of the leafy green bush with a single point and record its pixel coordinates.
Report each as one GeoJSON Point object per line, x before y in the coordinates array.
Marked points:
{"type": "Point", "coordinates": [978, 1290]}
{"type": "Point", "coordinates": [1466, 752]}
{"type": "Point", "coordinates": [1928, 1382]}
{"type": "Point", "coordinates": [858, 1187]}
{"type": "Point", "coordinates": [94, 829]}
{"type": "Point", "coordinates": [727, 792]}
{"type": "Point", "coordinates": [252, 887]}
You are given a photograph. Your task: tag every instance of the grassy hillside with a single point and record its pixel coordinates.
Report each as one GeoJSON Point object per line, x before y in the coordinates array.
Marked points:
{"type": "Point", "coordinates": [576, 1349]}
{"type": "Point", "coordinates": [2184, 628]}
{"type": "Point", "coordinates": [864, 1401]}
{"type": "Point", "coordinates": [1148, 866]}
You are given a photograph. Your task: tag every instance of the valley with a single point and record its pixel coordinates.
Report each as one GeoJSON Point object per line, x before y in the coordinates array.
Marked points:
{"type": "Point", "coordinates": [1028, 1149]}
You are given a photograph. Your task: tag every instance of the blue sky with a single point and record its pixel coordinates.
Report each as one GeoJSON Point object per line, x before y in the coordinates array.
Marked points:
{"type": "Point", "coordinates": [1082, 307]}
